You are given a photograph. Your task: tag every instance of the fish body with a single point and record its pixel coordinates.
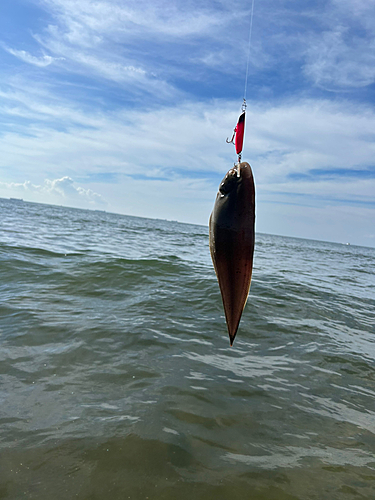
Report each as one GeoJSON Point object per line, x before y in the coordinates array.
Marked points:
{"type": "Point", "coordinates": [232, 237]}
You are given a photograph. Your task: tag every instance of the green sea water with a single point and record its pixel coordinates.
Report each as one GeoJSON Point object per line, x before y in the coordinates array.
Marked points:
{"type": "Point", "coordinates": [117, 380]}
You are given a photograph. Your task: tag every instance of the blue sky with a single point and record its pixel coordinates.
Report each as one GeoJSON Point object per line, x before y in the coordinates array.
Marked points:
{"type": "Point", "coordinates": [125, 106]}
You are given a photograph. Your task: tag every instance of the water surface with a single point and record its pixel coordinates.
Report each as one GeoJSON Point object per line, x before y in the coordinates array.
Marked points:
{"type": "Point", "coordinates": [117, 379]}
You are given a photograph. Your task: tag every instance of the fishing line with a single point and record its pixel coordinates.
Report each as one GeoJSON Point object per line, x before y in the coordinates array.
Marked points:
{"type": "Point", "coordinates": [249, 49]}
{"type": "Point", "coordinates": [239, 130]}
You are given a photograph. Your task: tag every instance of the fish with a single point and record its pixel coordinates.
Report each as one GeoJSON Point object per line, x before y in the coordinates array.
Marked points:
{"type": "Point", "coordinates": [232, 239]}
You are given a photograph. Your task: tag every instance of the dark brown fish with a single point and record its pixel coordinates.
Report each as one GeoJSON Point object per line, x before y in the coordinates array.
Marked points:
{"type": "Point", "coordinates": [232, 237]}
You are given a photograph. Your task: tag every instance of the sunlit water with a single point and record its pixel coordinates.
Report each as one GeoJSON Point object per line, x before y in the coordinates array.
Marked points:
{"type": "Point", "coordinates": [117, 379]}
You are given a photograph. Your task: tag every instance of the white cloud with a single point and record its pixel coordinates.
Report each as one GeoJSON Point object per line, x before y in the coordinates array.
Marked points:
{"type": "Point", "coordinates": [41, 62]}
{"type": "Point", "coordinates": [283, 142]}
{"type": "Point", "coordinates": [146, 46]}
{"type": "Point", "coordinates": [134, 18]}
{"type": "Point", "coordinates": [333, 62]}
{"type": "Point", "coordinates": [340, 53]}
{"type": "Point", "coordinates": [132, 43]}
{"type": "Point", "coordinates": [142, 44]}
{"type": "Point", "coordinates": [60, 191]}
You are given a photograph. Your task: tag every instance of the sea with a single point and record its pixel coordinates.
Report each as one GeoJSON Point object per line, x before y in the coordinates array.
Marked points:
{"type": "Point", "coordinates": [117, 380]}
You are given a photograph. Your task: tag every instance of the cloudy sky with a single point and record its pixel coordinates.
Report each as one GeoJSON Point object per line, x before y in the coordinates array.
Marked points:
{"type": "Point", "coordinates": [125, 106]}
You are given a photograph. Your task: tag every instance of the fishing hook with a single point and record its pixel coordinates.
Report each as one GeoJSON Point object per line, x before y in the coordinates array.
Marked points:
{"type": "Point", "coordinates": [234, 133]}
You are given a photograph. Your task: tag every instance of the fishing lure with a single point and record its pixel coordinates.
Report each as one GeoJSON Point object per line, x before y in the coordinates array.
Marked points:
{"type": "Point", "coordinates": [239, 133]}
